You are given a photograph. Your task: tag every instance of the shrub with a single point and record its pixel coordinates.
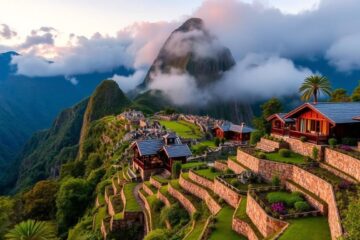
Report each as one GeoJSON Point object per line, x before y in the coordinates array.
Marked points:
{"type": "Point", "coordinates": [174, 214]}
{"type": "Point", "coordinates": [229, 171]}
{"type": "Point", "coordinates": [303, 139]}
{"type": "Point", "coordinates": [349, 141]}
{"type": "Point", "coordinates": [261, 155]}
{"type": "Point", "coordinates": [157, 234]}
{"type": "Point", "coordinates": [275, 180]}
{"type": "Point", "coordinates": [175, 169]}
{"type": "Point", "coordinates": [195, 216]}
{"type": "Point", "coordinates": [345, 185]}
{"type": "Point", "coordinates": [285, 153]}
{"type": "Point", "coordinates": [332, 142]}
{"type": "Point", "coordinates": [235, 182]}
{"type": "Point", "coordinates": [217, 142]}
{"type": "Point", "coordinates": [315, 153]}
{"type": "Point", "coordinates": [157, 205]}
{"type": "Point", "coordinates": [307, 159]}
{"type": "Point", "coordinates": [255, 137]}
{"type": "Point", "coordinates": [288, 198]}
{"type": "Point", "coordinates": [346, 148]}
{"type": "Point", "coordinates": [278, 207]}
{"type": "Point", "coordinates": [301, 206]}
{"type": "Point", "coordinates": [212, 169]}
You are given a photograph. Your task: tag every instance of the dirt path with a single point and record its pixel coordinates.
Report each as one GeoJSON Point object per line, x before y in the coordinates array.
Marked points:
{"type": "Point", "coordinates": [141, 203]}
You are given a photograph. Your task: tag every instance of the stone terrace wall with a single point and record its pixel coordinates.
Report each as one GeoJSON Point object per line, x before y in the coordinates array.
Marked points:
{"type": "Point", "coordinates": [163, 198]}
{"type": "Point", "coordinates": [201, 193]}
{"type": "Point", "coordinates": [322, 207]}
{"type": "Point", "coordinates": [274, 144]}
{"type": "Point", "coordinates": [303, 148]}
{"type": "Point", "coordinates": [229, 195]}
{"type": "Point", "coordinates": [201, 180]}
{"type": "Point", "coordinates": [147, 189]}
{"type": "Point", "coordinates": [266, 224]}
{"type": "Point", "coordinates": [148, 209]}
{"type": "Point", "coordinates": [221, 166]}
{"type": "Point", "coordinates": [343, 162]}
{"type": "Point", "coordinates": [155, 183]}
{"type": "Point", "coordinates": [244, 229]}
{"type": "Point", "coordinates": [236, 168]}
{"type": "Point", "coordinates": [312, 183]}
{"type": "Point", "coordinates": [182, 199]}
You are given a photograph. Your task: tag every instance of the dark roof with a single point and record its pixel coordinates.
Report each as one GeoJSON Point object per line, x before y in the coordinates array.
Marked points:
{"type": "Point", "coordinates": [230, 127]}
{"type": "Point", "coordinates": [170, 135]}
{"type": "Point", "coordinates": [149, 147]}
{"type": "Point", "coordinates": [177, 150]}
{"type": "Point", "coordinates": [334, 112]}
{"type": "Point", "coordinates": [281, 116]}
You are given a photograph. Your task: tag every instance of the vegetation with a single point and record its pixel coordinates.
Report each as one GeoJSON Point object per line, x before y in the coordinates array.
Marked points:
{"type": "Point", "coordinates": [158, 234]}
{"type": "Point", "coordinates": [8, 214]}
{"type": "Point", "coordinates": [175, 214]}
{"type": "Point", "coordinates": [293, 158]}
{"type": "Point", "coordinates": [270, 107]}
{"type": "Point", "coordinates": [175, 169]}
{"type": "Point", "coordinates": [191, 165]}
{"type": "Point", "coordinates": [332, 142]}
{"type": "Point", "coordinates": [340, 95]}
{"type": "Point", "coordinates": [255, 137]}
{"type": "Point", "coordinates": [288, 198]}
{"type": "Point", "coordinates": [285, 153]}
{"type": "Point", "coordinates": [183, 129]}
{"type": "Point", "coordinates": [32, 230]}
{"type": "Point", "coordinates": [352, 223]}
{"type": "Point", "coordinates": [355, 97]}
{"type": "Point", "coordinates": [131, 204]}
{"type": "Point", "coordinates": [313, 86]}
{"type": "Point", "coordinates": [208, 173]}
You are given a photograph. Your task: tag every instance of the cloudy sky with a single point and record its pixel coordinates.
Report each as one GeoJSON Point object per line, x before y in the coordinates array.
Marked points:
{"type": "Point", "coordinates": [264, 36]}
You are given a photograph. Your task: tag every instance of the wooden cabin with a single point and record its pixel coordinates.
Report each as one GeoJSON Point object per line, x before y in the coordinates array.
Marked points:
{"type": "Point", "coordinates": [156, 155]}
{"type": "Point", "coordinates": [321, 121]}
{"type": "Point", "coordinates": [280, 124]}
{"type": "Point", "coordinates": [233, 132]}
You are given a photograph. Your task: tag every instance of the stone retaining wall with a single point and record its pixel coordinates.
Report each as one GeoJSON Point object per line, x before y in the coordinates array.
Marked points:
{"type": "Point", "coordinates": [147, 189]}
{"type": "Point", "coordinates": [322, 207]}
{"type": "Point", "coordinates": [110, 208]}
{"type": "Point", "coordinates": [233, 166]}
{"type": "Point", "coordinates": [163, 198]}
{"type": "Point", "coordinates": [343, 162]}
{"type": "Point", "coordinates": [303, 148]}
{"type": "Point", "coordinates": [229, 195]}
{"type": "Point", "coordinates": [155, 183]}
{"type": "Point", "coordinates": [221, 166]}
{"type": "Point", "coordinates": [274, 144]}
{"type": "Point", "coordinates": [266, 224]}
{"type": "Point", "coordinates": [148, 209]}
{"type": "Point", "coordinates": [244, 229]}
{"type": "Point", "coordinates": [201, 193]}
{"type": "Point", "coordinates": [201, 180]}
{"type": "Point", "coordinates": [337, 172]}
{"type": "Point", "coordinates": [305, 179]}
{"type": "Point", "coordinates": [190, 208]}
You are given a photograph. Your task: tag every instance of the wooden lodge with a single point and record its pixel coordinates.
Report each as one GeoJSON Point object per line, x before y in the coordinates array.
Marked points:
{"type": "Point", "coordinates": [156, 155]}
{"type": "Point", "coordinates": [319, 121]}
{"type": "Point", "coordinates": [233, 132]}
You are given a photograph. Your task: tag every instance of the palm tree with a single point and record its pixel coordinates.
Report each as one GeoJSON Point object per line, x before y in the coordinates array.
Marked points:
{"type": "Point", "coordinates": [31, 230]}
{"type": "Point", "coordinates": [313, 86]}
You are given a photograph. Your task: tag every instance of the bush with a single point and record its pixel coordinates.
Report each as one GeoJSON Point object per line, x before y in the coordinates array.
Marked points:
{"type": "Point", "coordinates": [195, 216]}
{"type": "Point", "coordinates": [332, 142]}
{"type": "Point", "coordinates": [301, 206]}
{"type": "Point", "coordinates": [261, 155]}
{"type": "Point", "coordinates": [212, 169]}
{"type": "Point", "coordinates": [349, 141]}
{"type": "Point", "coordinates": [175, 169]}
{"type": "Point", "coordinates": [303, 139]}
{"type": "Point", "coordinates": [275, 181]}
{"type": "Point", "coordinates": [174, 214]}
{"type": "Point", "coordinates": [157, 205]}
{"type": "Point", "coordinates": [235, 182]}
{"type": "Point", "coordinates": [288, 198]}
{"type": "Point", "coordinates": [157, 234]}
{"type": "Point", "coordinates": [315, 153]}
{"type": "Point", "coordinates": [229, 171]}
{"type": "Point", "coordinates": [217, 142]}
{"type": "Point", "coordinates": [284, 153]}
{"type": "Point", "coordinates": [255, 137]}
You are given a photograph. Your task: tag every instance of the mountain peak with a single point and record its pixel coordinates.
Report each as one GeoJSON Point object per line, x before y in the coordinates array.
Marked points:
{"type": "Point", "coordinates": [192, 24]}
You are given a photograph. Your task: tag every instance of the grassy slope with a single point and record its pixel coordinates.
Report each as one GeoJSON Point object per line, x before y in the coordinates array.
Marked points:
{"type": "Point", "coordinates": [182, 128]}
{"type": "Point", "coordinates": [294, 158]}
{"type": "Point", "coordinates": [131, 203]}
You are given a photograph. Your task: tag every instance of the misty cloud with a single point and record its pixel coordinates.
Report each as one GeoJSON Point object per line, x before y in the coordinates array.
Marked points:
{"type": "Point", "coordinates": [127, 83]}
{"type": "Point", "coordinates": [44, 35]}
{"type": "Point", "coordinates": [6, 32]}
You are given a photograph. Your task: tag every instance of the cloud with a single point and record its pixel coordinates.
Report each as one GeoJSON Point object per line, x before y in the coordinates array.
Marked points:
{"type": "Point", "coordinates": [127, 83]}
{"type": "Point", "coordinates": [44, 35]}
{"type": "Point", "coordinates": [72, 80]}
{"type": "Point", "coordinates": [6, 32]}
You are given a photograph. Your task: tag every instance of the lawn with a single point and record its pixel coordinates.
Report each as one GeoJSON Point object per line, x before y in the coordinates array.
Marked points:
{"type": "Point", "coordinates": [200, 145]}
{"type": "Point", "coordinates": [310, 228]}
{"type": "Point", "coordinates": [131, 204]}
{"type": "Point", "coordinates": [190, 165]}
{"type": "Point", "coordinates": [183, 129]}
{"type": "Point", "coordinates": [161, 180]}
{"type": "Point", "coordinates": [207, 173]}
{"type": "Point", "coordinates": [294, 158]}
{"type": "Point", "coordinates": [223, 225]}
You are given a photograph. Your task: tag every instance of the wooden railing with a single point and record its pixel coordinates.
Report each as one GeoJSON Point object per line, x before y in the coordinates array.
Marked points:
{"type": "Point", "coordinates": [279, 131]}
{"type": "Point", "coordinates": [311, 137]}
{"type": "Point", "coordinates": [147, 165]}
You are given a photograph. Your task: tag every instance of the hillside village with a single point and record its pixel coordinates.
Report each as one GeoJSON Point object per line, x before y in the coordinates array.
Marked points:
{"type": "Point", "coordinates": [297, 181]}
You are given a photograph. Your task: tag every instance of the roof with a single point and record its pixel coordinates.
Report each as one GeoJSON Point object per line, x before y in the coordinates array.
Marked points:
{"type": "Point", "coordinates": [170, 135]}
{"type": "Point", "coordinates": [281, 117]}
{"type": "Point", "coordinates": [149, 147]}
{"type": "Point", "coordinates": [177, 150]}
{"type": "Point", "coordinates": [230, 127]}
{"type": "Point", "coordinates": [337, 113]}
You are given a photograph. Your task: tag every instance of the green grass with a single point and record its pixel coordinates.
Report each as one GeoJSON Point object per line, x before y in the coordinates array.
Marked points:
{"type": "Point", "coordinates": [164, 191]}
{"type": "Point", "coordinates": [131, 203]}
{"type": "Point", "coordinates": [294, 158]}
{"type": "Point", "coordinates": [155, 216]}
{"type": "Point", "coordinates": [207, 173]}
{"type": "Point", "coordinates": [190, 165]}
{"type": "Point", "coordinates": [183, 129]}
{"type": "Point", "coordinates": [241, 214]}
{"type": "Point", "coordinates": [161, 180]}
{"type": "Point", "coordinates": [197, 147]}
{"type": "Point", "coordinates": [223, 225]}
{"type": "Point", "coordinates": [149, 185]}
{"type": "Point", "coordinates": [100, 215]}
{"type": "Point", "coordinates": [310, 228]}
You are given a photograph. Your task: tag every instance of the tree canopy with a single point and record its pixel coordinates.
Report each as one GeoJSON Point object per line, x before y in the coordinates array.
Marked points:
{"type": "Point", "coordinates": [313, 86]}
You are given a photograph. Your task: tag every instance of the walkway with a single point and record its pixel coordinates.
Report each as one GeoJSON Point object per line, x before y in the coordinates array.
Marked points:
{"type": "Point", "coordinates": [141, 203]}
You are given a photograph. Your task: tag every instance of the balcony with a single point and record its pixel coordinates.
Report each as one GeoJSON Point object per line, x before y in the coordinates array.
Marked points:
{"type": "Point", "coordinates": [280, 131]}
{"type": "Point", "coordinates": [146, 165]}
{"type": "Point", "coordinates": [311, 137]}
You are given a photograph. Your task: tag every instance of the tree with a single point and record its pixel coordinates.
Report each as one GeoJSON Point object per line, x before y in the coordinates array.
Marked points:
{"type": "Point", "coordinates": [39, 202]}
{"type": "Point", "coordinates": [217, 141]}
{"type": "Point", "coordinates": [340, 95]}
{"type": "Point", "coordinates": [72, 200]}
{"type": "Point", "coordinates": [32, 230]}
{"type": "Point", "coordinates": [313, 86]}
{"type": "Point", "coordinates": [6, 214]}
{"type": "Point", "coordinates": [352, 220]}
{"type": "Point", "coordinates": [270, 107]}
{"type": "Point", "coordinates": [356, 94]}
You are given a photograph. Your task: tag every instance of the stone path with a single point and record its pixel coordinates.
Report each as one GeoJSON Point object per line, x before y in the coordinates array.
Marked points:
{"type": "Point", "coordinates": [140, 202]}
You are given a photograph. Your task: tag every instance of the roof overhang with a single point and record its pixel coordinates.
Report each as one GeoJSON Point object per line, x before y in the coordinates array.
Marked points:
{"type": "Point", "coordinates": [271, 117]}
{"type": "Point", "coordinates": [310, 106]}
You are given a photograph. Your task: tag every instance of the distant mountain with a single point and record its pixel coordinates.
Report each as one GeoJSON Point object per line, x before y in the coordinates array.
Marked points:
{"type": "Point", "coordinates": [43, 155]}
{"type": "Point", "coordinates": [28, 104]}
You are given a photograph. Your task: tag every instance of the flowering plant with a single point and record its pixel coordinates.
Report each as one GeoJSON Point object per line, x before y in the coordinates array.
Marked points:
{"type": "Point", "coordinates": [278, 207]}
